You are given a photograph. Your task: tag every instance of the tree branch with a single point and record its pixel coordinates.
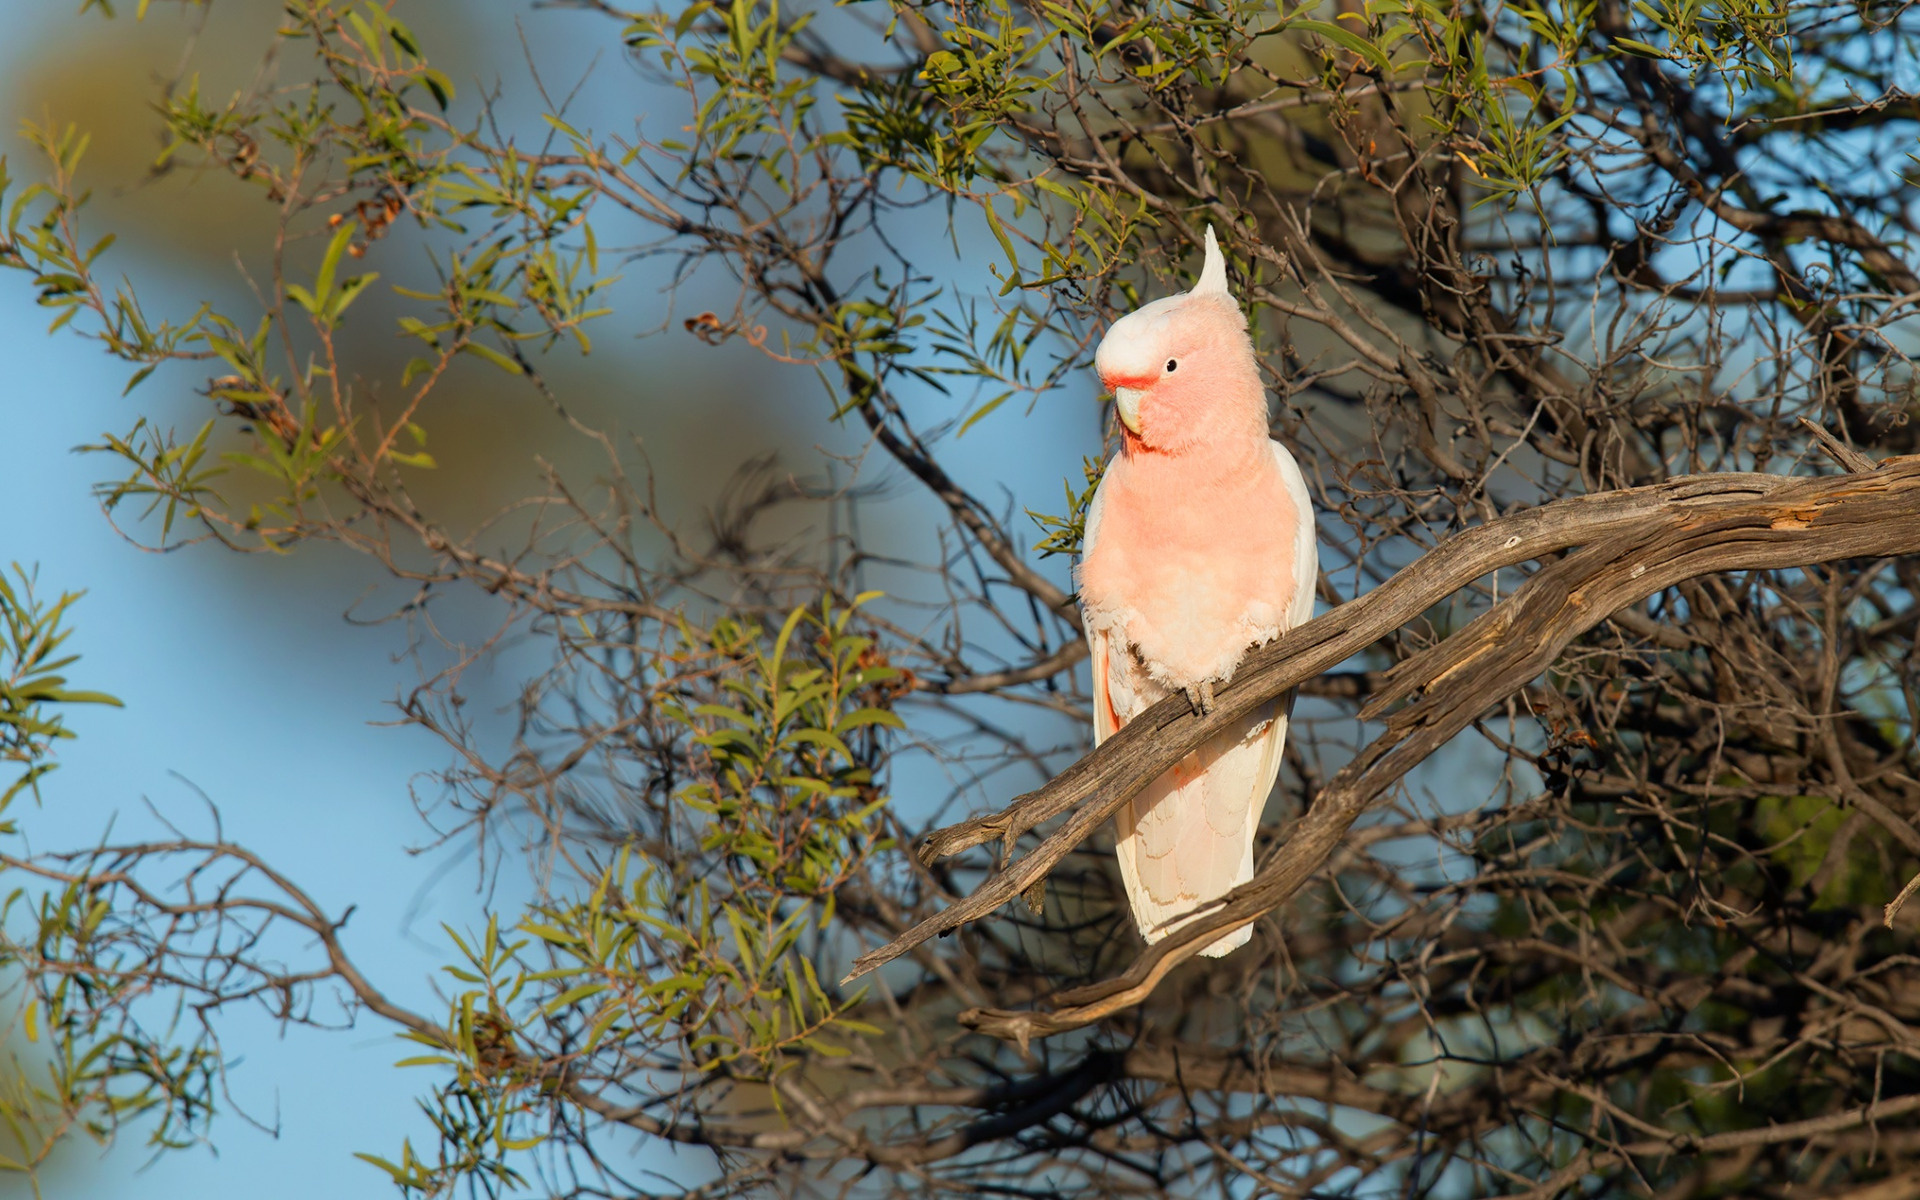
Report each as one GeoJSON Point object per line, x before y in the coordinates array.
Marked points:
{"type": "Point", "coordinates": [1635, 542]}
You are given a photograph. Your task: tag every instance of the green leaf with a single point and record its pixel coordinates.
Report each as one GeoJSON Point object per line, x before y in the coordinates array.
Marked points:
{"type": "Point", "coordinates": [493, 356]}
{"type": "Point", "coordinates": [1640, 48]}
{"type": "Point", "coordinates": [441, 87]}
{"type": "Point", "coordinates": [982, 411]}
{"type": "Point", "coordinates": [427, 1060]}
{"type": "Point", "coordinates": [139, 377]}
{"type": "Point", "coordinates": [330, 263]}
{"type": "Point", "coordinates": [1347, 38]}
{"type": "Point", "coordinates": [62, 696]}
{"type": "Point", "coordinates": [348, 290]}
{"type": "Point", "coordinates": [868, 716]}
{"type": "Point", "coordinates": [572, 996]}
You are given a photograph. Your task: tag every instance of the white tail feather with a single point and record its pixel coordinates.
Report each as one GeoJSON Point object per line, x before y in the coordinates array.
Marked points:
{"type": "Point", "coordinates": [1187, 839]}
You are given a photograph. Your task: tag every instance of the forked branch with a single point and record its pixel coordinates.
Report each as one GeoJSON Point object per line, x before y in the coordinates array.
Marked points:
{"type": "Point", "coordinates": [1633, 543]}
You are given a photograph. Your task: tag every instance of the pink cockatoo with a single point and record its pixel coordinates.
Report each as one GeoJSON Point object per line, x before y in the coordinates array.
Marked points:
{"type": "Point", "coordinates": [1199, 546]}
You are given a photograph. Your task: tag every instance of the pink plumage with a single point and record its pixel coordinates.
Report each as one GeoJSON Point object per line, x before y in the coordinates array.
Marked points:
{"type": "Point", "coordinates": [1199, 545]}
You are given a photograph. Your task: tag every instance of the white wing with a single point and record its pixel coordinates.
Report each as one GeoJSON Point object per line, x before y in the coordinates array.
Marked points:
{"type": "Point", "coordinates": [1188, 837]}
{"type": "Point", "coordinates": [1306, 546]}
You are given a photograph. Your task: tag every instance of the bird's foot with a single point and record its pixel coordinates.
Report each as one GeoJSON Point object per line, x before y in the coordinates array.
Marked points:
{"type": "Point", "coordinates": [1201, 697]}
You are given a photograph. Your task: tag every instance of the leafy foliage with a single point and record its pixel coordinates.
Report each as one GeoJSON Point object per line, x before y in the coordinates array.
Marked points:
{"type": "Point", "coordinates": [1493, 253]}
{"type": "Point", "coordinates": [32, 684]}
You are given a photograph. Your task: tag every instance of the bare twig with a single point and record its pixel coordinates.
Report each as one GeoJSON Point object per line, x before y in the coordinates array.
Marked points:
{"type": "Point", "coordinates": [1635, 543]}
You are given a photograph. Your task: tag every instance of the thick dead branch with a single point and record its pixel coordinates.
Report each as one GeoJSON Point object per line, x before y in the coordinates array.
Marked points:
{"type": "Point", "coordinates": [1635, 543]}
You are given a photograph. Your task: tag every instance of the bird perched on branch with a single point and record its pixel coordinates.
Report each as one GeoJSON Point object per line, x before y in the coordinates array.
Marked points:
{"type": "Point", "coordinates": [1199, 546]}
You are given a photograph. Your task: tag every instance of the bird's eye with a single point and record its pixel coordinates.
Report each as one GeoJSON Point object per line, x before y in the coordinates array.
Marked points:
{"type": "Point", "coordinates": [1173, 365]}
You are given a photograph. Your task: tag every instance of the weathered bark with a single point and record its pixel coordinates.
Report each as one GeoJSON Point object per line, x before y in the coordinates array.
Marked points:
{"type": "Point", "coordinates": [1633, 543]}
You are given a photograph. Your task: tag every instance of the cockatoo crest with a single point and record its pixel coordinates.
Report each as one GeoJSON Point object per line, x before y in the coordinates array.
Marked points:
{"type": "Point", "coordinates": [1132, 346]}
{"type": "Point", "coordinates": [1213, 275]}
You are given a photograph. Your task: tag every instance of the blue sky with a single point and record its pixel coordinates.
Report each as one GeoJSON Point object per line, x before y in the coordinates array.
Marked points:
{"type": "Point", "coordinates": [243, 681]}
{"type": "Point", "coordinates": [240, 680]}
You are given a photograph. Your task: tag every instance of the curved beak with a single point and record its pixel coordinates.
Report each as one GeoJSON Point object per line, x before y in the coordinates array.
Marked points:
{"type": "Point", "coordinates": [1127, 401]}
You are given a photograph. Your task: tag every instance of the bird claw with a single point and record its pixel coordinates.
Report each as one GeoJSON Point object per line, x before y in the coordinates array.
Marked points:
{"type": "Point", "coordinates": [1201, 697]}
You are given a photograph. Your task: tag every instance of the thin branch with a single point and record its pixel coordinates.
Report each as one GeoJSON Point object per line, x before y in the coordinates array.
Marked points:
{"type": "Point", "coordinates": [1636, 543]}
